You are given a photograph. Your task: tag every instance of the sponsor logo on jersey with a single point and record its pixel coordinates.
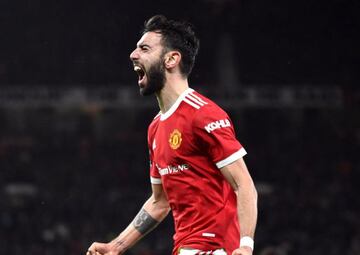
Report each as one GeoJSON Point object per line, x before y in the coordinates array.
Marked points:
{"type": "Point", "coordinates": [175, 139]}
{"type": "Point", "coordinates": [172, 169]}
{"type": "Point", "coordinates": [217, 124]}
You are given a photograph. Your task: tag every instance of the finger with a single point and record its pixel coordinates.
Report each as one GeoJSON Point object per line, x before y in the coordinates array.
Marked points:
{"type": "Point", "coordinates": [242, 251]}
{"type": "Point", "coordinates": [93, 253]}
{"type": "Point", "coordinates": [237, 252]}
{"type": "Point", "coordinates": [97, 249]}
{"type": "Point", "coordinates": [90, 251]}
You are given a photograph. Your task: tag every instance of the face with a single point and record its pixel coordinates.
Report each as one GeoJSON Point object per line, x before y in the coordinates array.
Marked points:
{"type": "Point", "coordinates": [148, 61]}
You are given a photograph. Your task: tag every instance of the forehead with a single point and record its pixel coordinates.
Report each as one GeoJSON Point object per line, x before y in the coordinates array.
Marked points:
{"type": "Point", "coordinates": [150, 38]}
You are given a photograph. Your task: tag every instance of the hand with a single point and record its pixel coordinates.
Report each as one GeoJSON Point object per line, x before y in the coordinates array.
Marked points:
{"type": "Point", "coordinates": [242, 251]}
{"type": "Point", "coordinates": [102, 249]}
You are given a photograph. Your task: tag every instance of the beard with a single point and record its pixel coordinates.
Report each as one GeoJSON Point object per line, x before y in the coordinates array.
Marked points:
{"type": "Point", "coordinates": [155, 79]}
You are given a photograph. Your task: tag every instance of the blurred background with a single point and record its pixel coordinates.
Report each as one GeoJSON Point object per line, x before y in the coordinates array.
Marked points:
{"type": "Point", "coordinates": [73, 153]}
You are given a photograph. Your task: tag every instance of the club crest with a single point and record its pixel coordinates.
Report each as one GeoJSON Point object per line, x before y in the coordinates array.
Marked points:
{"type": "Point", "coordinates": [175, 139]}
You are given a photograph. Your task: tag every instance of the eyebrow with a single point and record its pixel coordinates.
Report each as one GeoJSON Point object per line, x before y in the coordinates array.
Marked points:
{"type": "Point", "coordinates": [143, 44]}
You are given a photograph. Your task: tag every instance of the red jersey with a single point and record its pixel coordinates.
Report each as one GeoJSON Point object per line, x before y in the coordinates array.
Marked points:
{"type": "Point", "coordinates": [188, 144]}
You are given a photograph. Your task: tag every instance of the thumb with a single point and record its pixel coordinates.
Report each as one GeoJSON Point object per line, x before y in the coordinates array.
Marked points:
{"type": "Point", "coordinates": [99, 248]}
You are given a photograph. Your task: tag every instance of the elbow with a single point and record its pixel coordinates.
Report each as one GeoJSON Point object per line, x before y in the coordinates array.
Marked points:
{"type": "Point", "coordinates": [163, 212]}
{"type": "Point", "coordinates": [164, 209]}
{"type": "Point", "coordinates": [167, 210]}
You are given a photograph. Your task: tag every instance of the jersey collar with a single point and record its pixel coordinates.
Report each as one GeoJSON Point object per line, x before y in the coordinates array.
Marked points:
{"type": "Point", "coordinates": [168, 113]}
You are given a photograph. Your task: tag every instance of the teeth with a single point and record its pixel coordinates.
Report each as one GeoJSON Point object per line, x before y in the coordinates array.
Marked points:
{"type": "Point", "coordinates": [137, 68]}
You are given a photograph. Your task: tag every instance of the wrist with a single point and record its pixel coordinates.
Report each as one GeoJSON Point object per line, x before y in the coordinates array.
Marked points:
{"type": "Point", "coordinates": [247, 241]}
{"type": "Point", "coordinates": [118, 246]}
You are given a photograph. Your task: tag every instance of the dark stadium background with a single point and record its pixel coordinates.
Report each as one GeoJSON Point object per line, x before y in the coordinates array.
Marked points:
{"type": "Point", "coordinates": [73, 157]}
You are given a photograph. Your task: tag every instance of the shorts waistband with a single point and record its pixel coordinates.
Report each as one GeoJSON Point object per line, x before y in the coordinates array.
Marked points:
{"type": "Point", "coordinates": [190, 251]}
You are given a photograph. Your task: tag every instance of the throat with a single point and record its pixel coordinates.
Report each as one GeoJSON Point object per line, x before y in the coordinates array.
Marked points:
{"type": "Point", "coordinates": [165, 103]}
{"type": "Point", "coordinates": [161, 104]}
{"type": "Point", "coordinates": [166, 99]}
{"type": "Point", "coordinates": [170, 93]}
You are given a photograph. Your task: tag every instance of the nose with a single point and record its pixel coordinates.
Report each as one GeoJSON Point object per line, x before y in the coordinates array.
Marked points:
{"type": "Point", "coordinates": [134, 55]}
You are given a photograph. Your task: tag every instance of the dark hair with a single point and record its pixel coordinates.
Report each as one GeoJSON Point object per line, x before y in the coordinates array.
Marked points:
{"type": "Point", "coordinates": [176, 35]}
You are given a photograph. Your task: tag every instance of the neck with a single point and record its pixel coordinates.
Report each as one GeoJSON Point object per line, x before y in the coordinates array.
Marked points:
{"type": "Point", "coordinates": [170, 93]}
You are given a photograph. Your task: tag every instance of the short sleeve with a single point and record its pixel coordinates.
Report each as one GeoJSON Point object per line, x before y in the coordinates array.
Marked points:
{"type": "Point", "coordinates": [155, 177]}
{"type": "Point", "coordinates": [214, 132]}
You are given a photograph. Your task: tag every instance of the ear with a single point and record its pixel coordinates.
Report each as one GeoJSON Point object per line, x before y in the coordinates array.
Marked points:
{"type": "Point", "coordinates": [172, 59]}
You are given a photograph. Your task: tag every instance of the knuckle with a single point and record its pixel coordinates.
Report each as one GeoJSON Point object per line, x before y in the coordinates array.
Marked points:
{"type": "Point", "coordinates": [92, 246]}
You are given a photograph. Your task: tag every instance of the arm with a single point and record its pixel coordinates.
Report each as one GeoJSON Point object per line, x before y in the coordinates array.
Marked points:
{"type": "Point", "coordinates": [151, 214]}
{"type": "Point", "coordinates": [239, 178]}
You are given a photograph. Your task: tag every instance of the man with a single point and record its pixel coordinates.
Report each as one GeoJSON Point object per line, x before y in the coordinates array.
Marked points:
{"type": "Point", "coordinates": [197, 170]}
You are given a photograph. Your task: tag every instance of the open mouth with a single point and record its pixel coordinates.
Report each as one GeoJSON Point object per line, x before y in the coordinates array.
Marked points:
{"type": "Point", "coordinates": [140, 71]}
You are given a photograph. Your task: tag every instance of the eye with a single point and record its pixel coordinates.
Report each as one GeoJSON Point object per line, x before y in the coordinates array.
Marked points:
{"type": "Point", "coordinates": [144, 48]}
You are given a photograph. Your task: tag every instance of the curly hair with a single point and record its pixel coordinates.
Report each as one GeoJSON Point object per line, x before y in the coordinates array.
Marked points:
{"type": "Point", "coordinates": [176, 35]}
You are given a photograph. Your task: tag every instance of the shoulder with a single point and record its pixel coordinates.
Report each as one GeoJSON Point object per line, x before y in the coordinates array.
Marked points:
{"type": "Point", "coordinates": [209, 111]}
{"type": "Point", "coordinates": [196, 100]}
{"type": "Point", "coordinates": [200, 104]}
{"type": "Point", "coordinates": [210, 117]}
{"type": "Point", "coordinates": [154, 123]}
{"type": "Point", "coordinates": [156, 118]}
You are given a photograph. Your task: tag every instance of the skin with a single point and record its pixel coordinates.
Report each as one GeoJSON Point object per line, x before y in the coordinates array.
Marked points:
{"type": "Point", "coordinates": [149, 52]}
{"type": "Point", "coordinates": [151, 62]}
{"type": "Point", "coordinates": [240, 180]}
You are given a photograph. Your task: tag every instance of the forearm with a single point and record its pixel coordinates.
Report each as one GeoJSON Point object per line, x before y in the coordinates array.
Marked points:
{"type": "Point", "coordinates": [247, 209]}
{"type": "Point", "coordinates": [150, 215]}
